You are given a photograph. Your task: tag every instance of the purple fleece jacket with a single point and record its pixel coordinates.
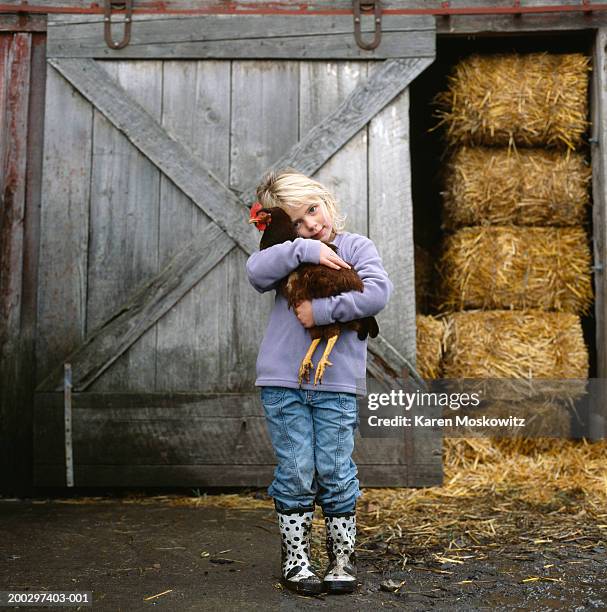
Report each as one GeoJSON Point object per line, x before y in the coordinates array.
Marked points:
{"type": "Point", "coordinates": [286, 340]}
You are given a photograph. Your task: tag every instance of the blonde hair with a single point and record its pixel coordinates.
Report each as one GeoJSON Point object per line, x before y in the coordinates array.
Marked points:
{"type": "Point", "coordinates": [288, 188]}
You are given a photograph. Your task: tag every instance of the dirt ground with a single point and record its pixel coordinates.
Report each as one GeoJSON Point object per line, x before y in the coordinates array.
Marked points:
{"type": "Point", "coordinates": [209, 558]}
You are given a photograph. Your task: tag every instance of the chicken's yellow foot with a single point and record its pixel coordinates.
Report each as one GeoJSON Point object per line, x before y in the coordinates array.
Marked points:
{"type": "Point", "coordinates": [324, 360]}
{"type": "Point", "coordinates": [306, 363]}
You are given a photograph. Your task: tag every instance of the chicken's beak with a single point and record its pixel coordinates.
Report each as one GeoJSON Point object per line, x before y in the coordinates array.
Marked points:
{"type": "Point", "coordinates": [254, 220]}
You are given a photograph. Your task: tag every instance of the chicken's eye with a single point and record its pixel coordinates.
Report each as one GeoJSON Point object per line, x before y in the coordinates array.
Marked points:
{"type": "Point", "coordinates": [312, 210]}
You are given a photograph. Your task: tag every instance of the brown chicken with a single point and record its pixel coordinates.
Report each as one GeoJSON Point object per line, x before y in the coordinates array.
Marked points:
{"type": "Point", "coordinates": [311, 281]}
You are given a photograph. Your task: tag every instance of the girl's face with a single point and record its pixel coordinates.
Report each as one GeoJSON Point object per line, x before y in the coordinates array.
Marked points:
{"type": "Point", "coordinates": [312, 221]}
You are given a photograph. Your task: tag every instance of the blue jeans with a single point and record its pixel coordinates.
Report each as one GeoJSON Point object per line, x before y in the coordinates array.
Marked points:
{"type": "Point", "coordinates": [312, 433]}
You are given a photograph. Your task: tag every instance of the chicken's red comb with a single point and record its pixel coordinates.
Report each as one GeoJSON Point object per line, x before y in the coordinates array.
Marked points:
{"type": "Point", "coordinates": [255, 209]}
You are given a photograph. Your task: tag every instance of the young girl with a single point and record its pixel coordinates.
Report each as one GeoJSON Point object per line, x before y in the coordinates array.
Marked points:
{"type": "Point", "coordinates": [311, 426]}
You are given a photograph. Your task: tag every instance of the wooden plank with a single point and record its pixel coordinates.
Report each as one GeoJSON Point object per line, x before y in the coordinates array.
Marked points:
{"type": "Point", "coordinates": [191, 351]}
{"type": "Point", "coordinates": [264, 126]}
{"type": "Point", "coordinates": [19, 379]}
{"type": "Point", "coordinates": [64, 224]}
{"type": "Point", "coordinates": [244, 37]}
{"type": "Point", "coordinates": [391, 361]}
{"type": "Point", "coordinates": [264, 119]}
{"type": "Point", "coordinates": [323, 86]}
{"type": "Point", "coordinates": [176, 29]}
{"type": "Point", "coordinates": [16, 79]}
{"type": "Point", "coordinates": [5, 46]}
{"type": "Point", "coordinates": [123, 239]}
{"type": "Point", "coordinates": [391, 219]}
{"type": "Point", "coordinates": [340, 46]}
{"type": "Point", "coordinates": [172, 157]}
{"type": "Point", "coordinates": [214, 476]}
{"type": "Point", "coordinates": [15, 445]}
{"type": "Point", "coordinates": [327, 137]}
{"type": "Point", "coordinates": [35, 141]}
{"type": "Point", "coordinates": [455, 25]}
{"type": "Point", "coordinates": [22, 22]}
{"type": "Point", "coordinates": [219, 6]}
{"type": "Point", "coordinates": [391, 228]}
{"type": "Point", "coordinates": [146, 305]}
{"type": "Point", "coordinates": [598, 108]}
{"type": "Point", "coordinates": [524, 24]}
{"type": "Point", "coordinates": [178, 428]}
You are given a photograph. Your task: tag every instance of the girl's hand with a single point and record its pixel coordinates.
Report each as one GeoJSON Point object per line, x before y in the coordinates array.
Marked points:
{"type": "Point", "coordinates": [328, 257]}
{"type": "Point", "coordinates": [304, 313]}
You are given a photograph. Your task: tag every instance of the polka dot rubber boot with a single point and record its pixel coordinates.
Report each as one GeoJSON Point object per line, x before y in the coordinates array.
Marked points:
{"type": "Point", "coordinates": [297, 573]}
{"type": "Point", "coordinates": [340, 576]}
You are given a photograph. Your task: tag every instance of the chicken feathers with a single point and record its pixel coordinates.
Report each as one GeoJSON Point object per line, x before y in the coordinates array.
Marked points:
{"type": "Point", "coordinates": [308, 282]}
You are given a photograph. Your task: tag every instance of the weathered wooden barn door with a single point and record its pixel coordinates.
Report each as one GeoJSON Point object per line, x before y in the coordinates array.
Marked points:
{"type": "Point", "coordinates": [151, 155]}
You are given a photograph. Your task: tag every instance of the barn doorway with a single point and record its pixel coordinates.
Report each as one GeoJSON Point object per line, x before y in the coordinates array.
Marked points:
{"type": "Point", "coordinates": [428, 156]}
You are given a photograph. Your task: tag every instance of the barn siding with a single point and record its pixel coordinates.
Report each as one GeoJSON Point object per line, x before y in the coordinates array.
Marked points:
{"type": "Point", "coordinates": [323, 87]}
{"type": "Point", "coordinates": [124, 224]}
{"type": "Point", "coordinates": [208, 342]}
{"type": "Point", "coordinates": [238, 36]}
{"type": "Point", "coordinates": [391, 217]}
{"type": "Point", "coordinates": [21, 114]}
{"type": "Point", "coordinates": [63, 249]}
{"type": "Point", "coordinates": [183, 439]}
{"type": "Point", "coordinates": [116, 235]}
{"type": "Point", "coordinates": [129, 240]}
{"type": "Point", "coordinates": [193, 337]}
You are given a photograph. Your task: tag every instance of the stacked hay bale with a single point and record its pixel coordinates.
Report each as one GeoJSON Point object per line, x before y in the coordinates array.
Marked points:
{"type": "Point", "coordinates": [493, 267]}
{"type": "Point", "coordinates": [529, 100]}
{"type": "Point", "coordinates": [429, 338]}
{"type": "Point", "coordinates": [515, 202]}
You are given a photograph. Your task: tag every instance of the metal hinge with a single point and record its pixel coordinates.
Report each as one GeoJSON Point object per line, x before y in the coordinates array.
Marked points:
{"type": "Point", "coordinates": [372, 6]}
{"type": "Point", "coordinates": [117, 5]}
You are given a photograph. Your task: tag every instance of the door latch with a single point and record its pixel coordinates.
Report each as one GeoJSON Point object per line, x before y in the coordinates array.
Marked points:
{"type": "Point", "coordinates": [370, 6]}
{"type": "Point", "coordinates": [117, 5]}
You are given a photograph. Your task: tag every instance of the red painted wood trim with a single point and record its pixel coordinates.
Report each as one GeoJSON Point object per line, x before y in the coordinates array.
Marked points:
{"type": "Point", "coordinates": [234, 8]}
{"type": "Point", "coordinates": [22, 22]}
{"type": "Point", "coordinates": [35, 138]}
{"type": "Point", "coordinates": [16, 73]}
